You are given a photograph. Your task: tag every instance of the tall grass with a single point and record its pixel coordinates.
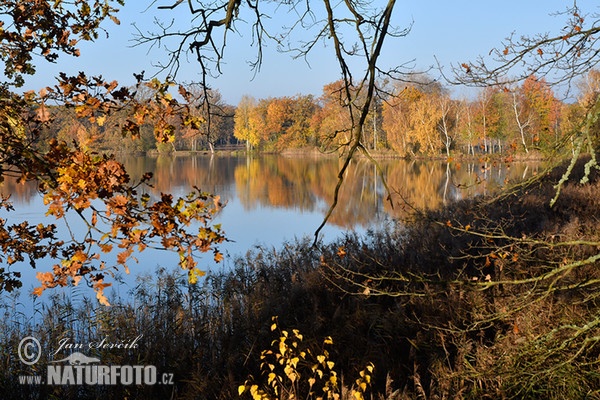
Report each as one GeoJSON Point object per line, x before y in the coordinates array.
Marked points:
{"type": "Point", "coordinates": [484, 299]}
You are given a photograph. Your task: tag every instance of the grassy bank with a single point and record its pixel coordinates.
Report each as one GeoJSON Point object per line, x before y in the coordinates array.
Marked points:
{"type": "Point", "coordinates": [487, 298]}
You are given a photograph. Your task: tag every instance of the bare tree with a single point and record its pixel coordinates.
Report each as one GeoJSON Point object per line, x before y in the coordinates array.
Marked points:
{"type": "Point", "coordinates": [527, 259]}
{"type": "Point", "coordinates": [445, 124]}
{"type": "Point", "coordinates": [523, 121]}
{"type": "Point", "coordinates": [355, 30]}
{"type": "Point", "coordinates": [562, 58]}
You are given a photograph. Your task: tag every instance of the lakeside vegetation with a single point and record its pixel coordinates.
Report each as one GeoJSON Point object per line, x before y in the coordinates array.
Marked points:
{"type": "Point", "coordinates": [503, 307]}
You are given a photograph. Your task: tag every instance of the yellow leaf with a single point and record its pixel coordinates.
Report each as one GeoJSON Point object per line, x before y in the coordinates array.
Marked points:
{"type": "Point", "coordinates": [290, 372]}
{"type": "Point", "coordinates": [194, 274]}
{"type": "Point", "coordinates": [282, 348]}
{"type": "Point", "coordinates": [333, 379]}
{"type": "Point", "coordinates": [241, 389]}
{"type": "Point", "coordinates": [102, 298]}
{"type": "Point", "coordinates": [79, 256]}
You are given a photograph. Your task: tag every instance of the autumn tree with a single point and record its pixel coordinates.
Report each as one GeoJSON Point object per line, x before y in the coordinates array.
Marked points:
{"type": "Point", "coordinates": [396, 119]}
{"type": "Point", "coordinates": [447, 122]}
{"type": "Point", "coordinates": [523, 118]}
{"type": "Point", "coordinates": [485, 117]}
{"type": "Point", "coordinates": [243, 129]}
{"type": "Point", "coordinates": [297, 131]}
{"type": "Point", "coordinates": [416, 116]}
{"type": "Point", "coordinates": [423, 132]}
{"type": "Point", "coordinates": [541, 103]}
{"type": "Point", "coordinates": [466, 135]}
{"type": "Point", "coordinates": [334, 124]}
{"type": "Point", "coordinates": [214, 117]}
{"type": "Point", "coordinates": [76, 182]}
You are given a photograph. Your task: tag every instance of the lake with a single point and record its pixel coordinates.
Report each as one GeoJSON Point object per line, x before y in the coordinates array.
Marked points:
{"type": "Point", "coordinates": [272, 199]}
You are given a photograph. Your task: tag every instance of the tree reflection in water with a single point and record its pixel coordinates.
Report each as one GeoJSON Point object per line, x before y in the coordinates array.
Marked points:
{"type": "Point", "coordinates": [305, 184]}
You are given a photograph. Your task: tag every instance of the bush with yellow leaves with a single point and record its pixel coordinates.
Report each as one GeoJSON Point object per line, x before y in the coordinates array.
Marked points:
{"type": "Point", "coordinates": [293, 371]}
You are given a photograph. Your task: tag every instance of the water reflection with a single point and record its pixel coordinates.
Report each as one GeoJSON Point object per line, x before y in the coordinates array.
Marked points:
{"type": "Point", "coordinates": [306, 185]}
{"type": "Point", "coordinates": [272, 199]}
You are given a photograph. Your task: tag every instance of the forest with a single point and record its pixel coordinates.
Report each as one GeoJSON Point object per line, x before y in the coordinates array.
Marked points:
{"type": "Point", "coordinates": [417, 119]}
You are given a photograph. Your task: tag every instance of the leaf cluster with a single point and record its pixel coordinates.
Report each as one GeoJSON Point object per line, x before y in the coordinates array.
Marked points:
{"type": "Point", "coordinates": [47, 29]}
{"type": "Point", "coordinates": [293, 371]}
{"type": "Point", "coordinates": [77, 183]}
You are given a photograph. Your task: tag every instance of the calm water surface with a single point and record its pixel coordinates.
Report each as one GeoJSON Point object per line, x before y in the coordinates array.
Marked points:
{"type": "Point", "coordinates": [272, 199]}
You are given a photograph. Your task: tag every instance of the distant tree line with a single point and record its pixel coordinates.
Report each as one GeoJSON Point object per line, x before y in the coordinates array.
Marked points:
{"type": "Point", "coordinates": [420, 119]}
{"type": "Point", "coordinates": [416, 119]}
{"type": "Point", "coordinates": [197, 132]}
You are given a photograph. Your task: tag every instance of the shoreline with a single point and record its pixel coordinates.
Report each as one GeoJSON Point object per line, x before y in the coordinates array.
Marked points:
{"type": "Point", "coordinates": [377, 155]}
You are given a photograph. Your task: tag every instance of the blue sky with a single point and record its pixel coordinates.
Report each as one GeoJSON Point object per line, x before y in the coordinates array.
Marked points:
{"type": "Point", "coordinates": [453, 31]}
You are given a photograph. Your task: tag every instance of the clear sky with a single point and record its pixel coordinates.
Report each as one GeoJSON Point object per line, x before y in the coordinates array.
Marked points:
{"type": "Point", "coordinates": [453, 31]}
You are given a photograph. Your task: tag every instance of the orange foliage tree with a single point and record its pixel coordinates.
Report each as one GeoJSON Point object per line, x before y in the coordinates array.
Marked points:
{"type": "Point", "coordinates": [295, 125]}
{"type": "Point", "coordinates": [414, 118]}
{"type": "Point", "coordinates": [77, 183]}
{"type": "Point", "coordinates": [334, 127]}
{"type": "Point", "coordinates": [540, 100]}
